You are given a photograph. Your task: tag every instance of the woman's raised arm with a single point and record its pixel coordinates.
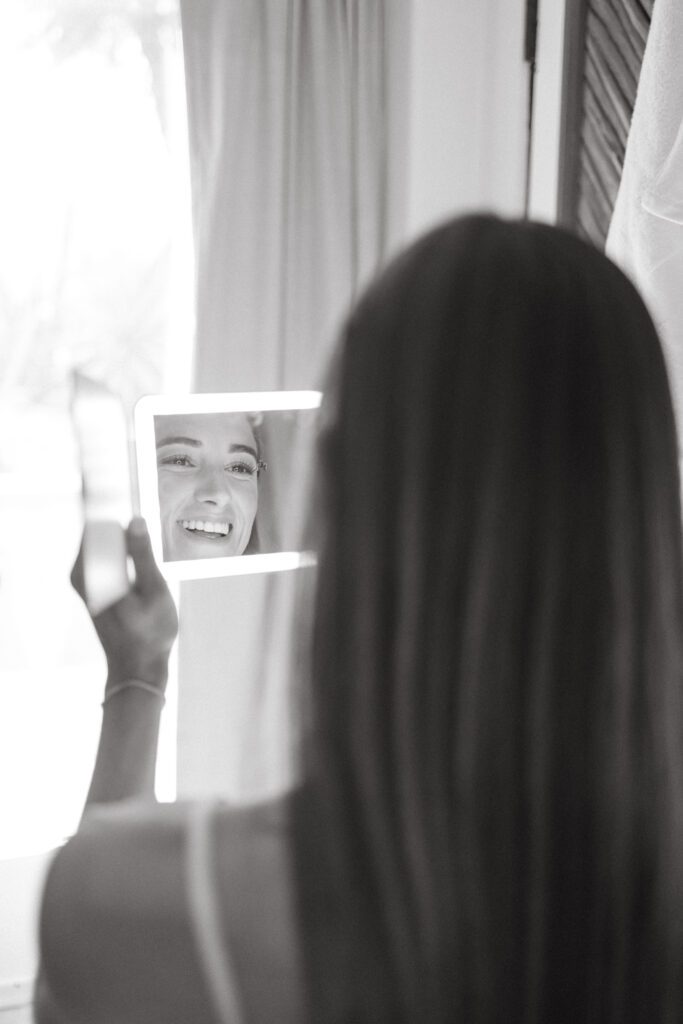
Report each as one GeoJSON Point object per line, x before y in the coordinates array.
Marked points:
{"type": "Point", "coordinates": [137, 634]}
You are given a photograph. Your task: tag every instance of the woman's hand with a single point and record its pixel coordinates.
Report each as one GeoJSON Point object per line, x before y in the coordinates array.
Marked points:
{"type": "Point", "coordinates": [137, 632]}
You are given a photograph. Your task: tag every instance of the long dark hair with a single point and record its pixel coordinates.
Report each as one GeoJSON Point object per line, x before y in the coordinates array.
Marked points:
{"type": "Point", "coordinates": [490, 824]}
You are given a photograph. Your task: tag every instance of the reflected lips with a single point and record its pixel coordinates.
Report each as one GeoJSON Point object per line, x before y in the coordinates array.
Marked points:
{"type": "Point", "coordinates": [206, 528]}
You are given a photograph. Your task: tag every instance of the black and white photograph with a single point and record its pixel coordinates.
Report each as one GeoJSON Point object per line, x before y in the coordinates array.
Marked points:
{"type": "Point", "coordinates": [341, 531]}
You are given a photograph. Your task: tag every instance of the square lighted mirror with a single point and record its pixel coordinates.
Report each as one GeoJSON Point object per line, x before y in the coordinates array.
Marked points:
{"type": "Point", "coordinates": [220, 479]}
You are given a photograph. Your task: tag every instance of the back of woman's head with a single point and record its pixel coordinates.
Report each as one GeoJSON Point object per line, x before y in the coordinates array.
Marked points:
{"type": "Point", "coordinates": [495, 753]}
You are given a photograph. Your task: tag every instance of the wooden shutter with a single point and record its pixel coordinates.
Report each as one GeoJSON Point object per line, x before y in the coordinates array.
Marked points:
{"type": "Point", "coordinates": [604, 45]}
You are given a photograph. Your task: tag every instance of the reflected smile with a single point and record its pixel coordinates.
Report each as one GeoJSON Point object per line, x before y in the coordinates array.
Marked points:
{"type": "Point", "coordinates": [206, 528]}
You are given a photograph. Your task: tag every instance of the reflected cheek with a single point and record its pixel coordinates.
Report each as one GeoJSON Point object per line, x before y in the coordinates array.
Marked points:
{"type": "Point", "coordinates": [174, 492]}
{"type": "Point", "coordinates": [245, 506]}
{"type": "Point", "coordinates": [248, 507]}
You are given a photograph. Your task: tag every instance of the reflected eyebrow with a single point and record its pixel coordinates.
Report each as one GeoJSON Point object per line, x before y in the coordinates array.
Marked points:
{"type": "Point", "coordinates": [244, 448]}
{"type": "Point", "coordinates": [192, 441]}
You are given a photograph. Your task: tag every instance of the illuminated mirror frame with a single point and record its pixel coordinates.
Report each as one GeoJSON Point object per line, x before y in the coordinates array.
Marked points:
{"type": "Point", "coordinates": [151, 406]}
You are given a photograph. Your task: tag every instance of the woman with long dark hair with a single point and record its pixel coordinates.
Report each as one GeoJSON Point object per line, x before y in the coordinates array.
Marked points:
{"type": "Point", "coordinates": [489, 825]}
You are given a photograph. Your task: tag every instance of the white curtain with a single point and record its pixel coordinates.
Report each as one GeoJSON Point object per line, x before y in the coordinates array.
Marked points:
{"type": "Point", "coordinates": [646, 233]}
{"type": "Point", "coordinates": [297, 126]}
{"type": "Point", "coordinates": [295, 135]}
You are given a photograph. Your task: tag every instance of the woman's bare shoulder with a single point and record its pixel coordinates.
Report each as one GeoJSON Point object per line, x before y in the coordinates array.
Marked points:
{"type": "Point", "coordinates": [133, 851]}
{"type": "Point", "coordinates": [115, 916]}
{"type": "Point", "coordinates": [114, 940]}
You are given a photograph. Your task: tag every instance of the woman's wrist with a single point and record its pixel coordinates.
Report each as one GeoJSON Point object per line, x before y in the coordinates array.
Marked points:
{"type": "Point", "coordinates": [118, 689]}
{"type": "Point", "coordinates": [153, 673]}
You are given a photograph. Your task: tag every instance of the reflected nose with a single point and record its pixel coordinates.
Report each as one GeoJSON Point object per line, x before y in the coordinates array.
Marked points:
{"type": "Point", "coordinates": [213, 487]}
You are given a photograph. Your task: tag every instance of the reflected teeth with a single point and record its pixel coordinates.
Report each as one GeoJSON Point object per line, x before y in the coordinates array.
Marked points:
{"type": "Point", "coordinates": [204, 526]}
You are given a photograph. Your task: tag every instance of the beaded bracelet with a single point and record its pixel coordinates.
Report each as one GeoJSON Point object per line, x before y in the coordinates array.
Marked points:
{"type": "Point", "coordinates": [136, 684]}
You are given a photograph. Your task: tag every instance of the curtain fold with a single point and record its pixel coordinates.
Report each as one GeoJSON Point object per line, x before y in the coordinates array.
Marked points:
{"type": "Point", "coordinates": [297, 127]}
{"type": "Point", "coordinates": [297, 175]}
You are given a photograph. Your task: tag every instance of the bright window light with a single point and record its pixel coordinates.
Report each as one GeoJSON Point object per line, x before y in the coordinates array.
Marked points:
{"type": "Point", "coordinates": [96, 273]}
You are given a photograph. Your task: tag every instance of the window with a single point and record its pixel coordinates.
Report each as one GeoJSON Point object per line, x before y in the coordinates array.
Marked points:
{"type": "Point", "coordinates": [95, 273]}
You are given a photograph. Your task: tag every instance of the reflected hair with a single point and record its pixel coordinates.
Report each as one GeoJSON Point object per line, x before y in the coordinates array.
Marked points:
{"type": "Point", "coordinates": [256, 423]}
{"type": "Point", "coordinates": [490, 823]}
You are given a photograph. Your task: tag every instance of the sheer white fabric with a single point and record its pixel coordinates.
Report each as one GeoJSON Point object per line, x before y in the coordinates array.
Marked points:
{"type": "Point", "coordinates": [646, 233]}
{"type": "Point", "coordinates": [294, 122]}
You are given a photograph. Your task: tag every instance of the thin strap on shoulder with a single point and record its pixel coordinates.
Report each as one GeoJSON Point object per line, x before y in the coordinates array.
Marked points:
{"type": "Point", "coordinates": [202, 891]}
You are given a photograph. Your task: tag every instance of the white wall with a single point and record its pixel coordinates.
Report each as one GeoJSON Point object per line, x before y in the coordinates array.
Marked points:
{"type": "Point", "coordinates": [466, 149]}
{"type": "Point", "coordinates": [545, 161]}
{"type": "Point", "coordinates": [468, 109]}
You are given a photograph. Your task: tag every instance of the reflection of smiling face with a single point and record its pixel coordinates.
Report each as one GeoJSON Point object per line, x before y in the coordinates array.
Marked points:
{"type": "Point", "coordinates": [207, 466]}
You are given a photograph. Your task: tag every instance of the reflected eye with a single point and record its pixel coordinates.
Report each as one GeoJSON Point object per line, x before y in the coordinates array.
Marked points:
{"type": "Point", "coordinates": [177, 460]}
{"type": "Point", "coordinates": [242, 467]}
